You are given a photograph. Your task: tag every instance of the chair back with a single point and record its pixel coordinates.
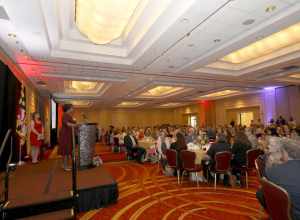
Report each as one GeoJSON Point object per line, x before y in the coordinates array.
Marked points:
{"type": "Point", "coordinates": [116, 141]}
{"type": "Point", "coordinates": [171, 156]}
{"type": "Point", "coordinates": [223, 161]}
{"type": "Point", "coordinates": [277, 200]}
{"type": "Point", "coordinates": [188, 159]}
{"type": "Point", "coordinates": [251, 157]}
{"type": "Point", "coordinates": [260, 166]}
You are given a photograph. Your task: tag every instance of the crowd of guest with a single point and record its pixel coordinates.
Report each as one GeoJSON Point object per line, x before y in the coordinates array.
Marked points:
{"type": "Point", "coordinates": [232, 137]}
{"type": "Point", "coordinates": [279, 140]}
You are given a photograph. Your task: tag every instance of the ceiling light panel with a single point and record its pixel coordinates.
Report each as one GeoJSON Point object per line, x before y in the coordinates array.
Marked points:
{"type": "Point", "coordinates": [296, 75]}
{"type": "Point", "coordinates": [162, 91]}
{"type": "Point", "coordinates": [76, 87]}
{"type": "Point", "coordinates": [265, 46]}
{"type": "Point", "coordinates": [80, 103]}
{"type": "Point", "coordinates": [103, 21]}
{"type": "Point", "coordinates": [83, 85]}
{"type": "Point", "coordinates": [171, 104]}
{"type": "Point", "coordinates": [220, 93]}
{"type": "Point", "coordinates": [129, 104]}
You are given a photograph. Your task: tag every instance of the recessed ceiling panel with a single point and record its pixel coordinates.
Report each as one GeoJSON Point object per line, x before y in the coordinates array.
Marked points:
{"type": "Point", "coordinates": [162, 91]}
{"type": "Point", "coordinates": [85, 88]}
{"type": "Point", "coordinates": [267, 45]}
{"type": "Point", "coordinates": [105, 20]}
{"type": "Point", "coordinates": [129, 104]}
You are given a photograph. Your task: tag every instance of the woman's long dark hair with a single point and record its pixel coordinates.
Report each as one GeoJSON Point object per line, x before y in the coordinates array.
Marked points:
{"type": "Point", "coordinates": [180, 141]}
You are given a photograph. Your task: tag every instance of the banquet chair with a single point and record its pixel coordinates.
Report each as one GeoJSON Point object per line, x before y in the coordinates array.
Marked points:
{"type": "Point", "coordinates": [278, 202]}
{"type": "Point", "coordinates": [171, 156]}
{"type": "Point", "coordinates": [260, 167]}
{"type": "Point", "coordinates": [252, 155]}
{"type": "Point", "coordinates": [116, 144]}
{"type": "Point", "coordinates": [188, 164]}
{"type": "Point", "coordinates": [222, 164]}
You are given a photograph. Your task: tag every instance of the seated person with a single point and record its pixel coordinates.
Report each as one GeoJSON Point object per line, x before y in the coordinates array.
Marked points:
{"type": "Point", "coordinates": [239, 150]}
{"type": "Point", "coordinates": [191, 137]}
{"type": "Point", "coordinates": [163, 143]}
{"type": "Point", "coordinates": [131, 144]}
{"type": "Point", "coordinates": [282, 168]}
{"type": "Point", "coordinates": [219, 146]}
{"type": "Point", "coordinates": [179, 145]}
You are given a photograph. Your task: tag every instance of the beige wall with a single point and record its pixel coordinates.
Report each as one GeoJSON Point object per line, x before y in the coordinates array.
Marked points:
{"type": "Point", "coordinates": [288, 102]}
{"type": "Point", "coordinates": [284, 101]}
{"type": "Point", "coordinates": [232, 114]}
{"type": "Point", "coordinates": [126, 117]}
{"type": "Point", "coordinates": [181, 114]}
{"type": "Point", "coordinates": [137, 117]}
{"type": "Point", "coordinates": [223, 106]}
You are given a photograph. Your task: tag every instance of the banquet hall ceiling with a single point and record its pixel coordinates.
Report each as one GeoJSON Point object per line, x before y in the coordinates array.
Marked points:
{"type": "Point", "coordinates": [176, 48]}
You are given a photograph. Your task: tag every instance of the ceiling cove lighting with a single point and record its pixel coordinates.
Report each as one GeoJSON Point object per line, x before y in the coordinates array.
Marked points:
{"type": "Point", "coordinates": [161, 91]}
{"type": "Point", "coordinates": [171, 104]}
{"type": "Point", "coordinates": [129, 104]}
{"type": "Point", "coordinates": [80, 103]}
{"type": "Point", "coordinates": [83, 87]}
{"type": "Point", "coordinates": [103, 21]}
{"type": "Point", "coordinates": [220, 93]}
{"type": "Point", "coordinates": [297, 75]}
{"type": "Point", "coordinates": [267, 45]}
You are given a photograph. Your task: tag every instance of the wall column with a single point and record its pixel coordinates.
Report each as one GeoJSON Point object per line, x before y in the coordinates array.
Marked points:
{"type": "Point", "coordinates": [207, 113]}
{"type": "Point", "coordinates": [269, 104]}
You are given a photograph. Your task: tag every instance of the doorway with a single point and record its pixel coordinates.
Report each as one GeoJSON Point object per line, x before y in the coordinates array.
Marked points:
{"type": "Point", "coordinates": [245, 118]}
{"type": "Point", "coordinates": [192, 121]}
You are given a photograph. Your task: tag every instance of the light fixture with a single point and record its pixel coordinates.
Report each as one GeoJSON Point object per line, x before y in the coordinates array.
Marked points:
{"type": "Point", "coordinates": [296, 75]}
{"type": "Point", "coordinates": [220, 93]}
{"type": "Point", "coordinates": [267, 45]}
{"type": "Point", "coordinates": [85, 87]}
{"type": "Point", "coordinates": [12, 35]}
{"type": "Point", "coordinates": [270, 88]}
{"type": "Point", "coordinates": [184, 20]}
{"type": "Point", "coordinates": [248, 22]}
{"type": "Point", "coordinates": [270, 8]}
{"type": "Point", "coordinates": [129, 104]}
{"type": "Point", "coordinates": [171, 104]}
{"type": "Point", "coordinates": [103, 21]}
{"type": "Point", "coordinates": [162, 91]}
{"type": "Point", "coordinates": [80, 103]}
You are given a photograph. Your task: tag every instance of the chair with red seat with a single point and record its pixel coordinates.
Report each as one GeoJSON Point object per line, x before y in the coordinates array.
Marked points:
{"type": "Point", "coordinates": [252, 155]}
{"type": "Point", "coordinates": [222, 164]}
{"type": "Point", "coordinates": [277, 200]}
{"type": "Point", "coordinates": [188, 164]}
{"type": "Point", "coordinates": [171, 156]}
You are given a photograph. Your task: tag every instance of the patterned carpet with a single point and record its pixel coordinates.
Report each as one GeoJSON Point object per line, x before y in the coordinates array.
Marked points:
{"type": "Point", "coordinates": [146, 194]}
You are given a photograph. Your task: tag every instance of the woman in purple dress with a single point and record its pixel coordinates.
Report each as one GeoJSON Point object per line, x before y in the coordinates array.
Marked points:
{"type": "Point", "coordinates": [66, 139]}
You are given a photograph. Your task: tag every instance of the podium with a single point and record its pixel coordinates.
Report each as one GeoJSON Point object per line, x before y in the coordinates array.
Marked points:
{"type": "Point", "coordinates": [86, 143]}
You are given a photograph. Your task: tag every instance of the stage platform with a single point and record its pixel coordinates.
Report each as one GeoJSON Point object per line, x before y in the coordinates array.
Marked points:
{"type": "Point", "coordinates": [34, 189]}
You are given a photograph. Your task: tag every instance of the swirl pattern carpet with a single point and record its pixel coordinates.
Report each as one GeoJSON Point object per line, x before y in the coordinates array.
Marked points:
{"type": "Point", "coordinates": [146, 194]}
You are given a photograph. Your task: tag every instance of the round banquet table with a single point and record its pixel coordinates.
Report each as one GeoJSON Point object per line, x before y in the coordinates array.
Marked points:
{"type": "Point", "coordinates": [199, 154]}
{"type": "Point", "coordinates": [146, 144]}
